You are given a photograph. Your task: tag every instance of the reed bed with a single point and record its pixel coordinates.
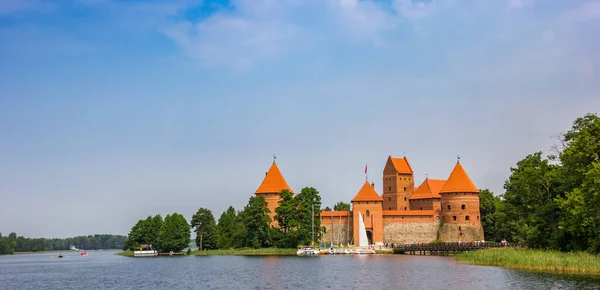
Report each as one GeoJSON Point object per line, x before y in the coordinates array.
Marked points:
{"type": "Point", "coordinates": [536, 260]}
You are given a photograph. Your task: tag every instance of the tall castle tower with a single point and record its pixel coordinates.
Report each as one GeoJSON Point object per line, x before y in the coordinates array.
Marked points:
{"type": "Point", "coordinates": [270, 188]}
{"type": "Point", "coordinates": [460, 207]}
{"type": "Point", "coordinates": [398, 184]}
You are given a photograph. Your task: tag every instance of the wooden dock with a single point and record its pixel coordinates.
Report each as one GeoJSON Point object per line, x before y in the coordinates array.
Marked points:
{"type": "Point", "coordinates": [446, 249]}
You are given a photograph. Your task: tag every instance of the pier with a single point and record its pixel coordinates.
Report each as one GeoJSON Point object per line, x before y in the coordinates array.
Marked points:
{"type": "Point", "coordinates": [446, 249]}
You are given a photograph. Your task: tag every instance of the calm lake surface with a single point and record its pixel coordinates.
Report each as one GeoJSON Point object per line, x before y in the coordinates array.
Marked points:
{"type": "Point", "coordinates": [104, 270]}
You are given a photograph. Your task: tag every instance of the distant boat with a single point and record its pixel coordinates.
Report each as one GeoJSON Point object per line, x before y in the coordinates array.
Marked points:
{"type": "Point", "coordinates": [84, 253]}
{"type": "Point", "coordinates": [145, 251]}
{"type": "Point", "coordinates": [73, 248]}
{"type": "Point", "coordinates": [60, 256]}
{"type": "Point", "coordinates": [307, 251]}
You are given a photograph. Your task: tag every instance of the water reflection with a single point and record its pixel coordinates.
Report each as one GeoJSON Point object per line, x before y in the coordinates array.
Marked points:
{"type": "Point", "coordinates": [104, 270]}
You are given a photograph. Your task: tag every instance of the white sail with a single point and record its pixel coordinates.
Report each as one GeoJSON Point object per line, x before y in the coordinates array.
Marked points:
{"type": "Point", "coordinates": [363, 241]}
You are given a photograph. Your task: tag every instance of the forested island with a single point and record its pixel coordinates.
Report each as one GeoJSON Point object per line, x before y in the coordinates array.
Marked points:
{"type": "Point", "coordinates": [13, 243]}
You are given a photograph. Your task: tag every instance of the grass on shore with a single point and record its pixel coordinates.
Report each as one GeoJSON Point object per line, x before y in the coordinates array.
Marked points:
{"type": "Point", "coordinates": [248, 252]}
{"type": "Point", "coordinates": [536, 260]}
{"type": "Point", "coordinates": [125, 254]}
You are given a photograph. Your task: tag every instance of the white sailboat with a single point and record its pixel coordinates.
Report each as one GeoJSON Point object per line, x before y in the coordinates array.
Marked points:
{"type": "Point", "coordinates": [363, 240]}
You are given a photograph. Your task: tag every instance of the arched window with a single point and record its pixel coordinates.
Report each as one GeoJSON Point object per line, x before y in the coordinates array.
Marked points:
{"type": "Point", "coordinates": [467, 218]}
{"type": "Point", "coordinates": [448, 206]}
{"type": "Point", "coordinates": [389, 188]}
{"type": "Point", "coordinates": [454, 217]}
{"type": "Point", "coordinates": [404, 208]}
{"type": "Point", "coordinates": [463, 206]}
{"type": "Point", "coordinates": [368, 213]}
{"type": "Point", "coordinates": [405, 198]}
{"type": "Point", "coordinates": [389, 199]}
{"type": "Point", "coordinates": [405, 188]}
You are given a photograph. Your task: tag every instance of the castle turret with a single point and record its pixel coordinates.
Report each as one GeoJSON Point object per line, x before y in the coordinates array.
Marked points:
{"type": "Point", "coordinates": [367, 203]}
{"type": "Point", "coordinates": [270, 188]}
{"type": "Point", "coordinates": [398, 184]}
{"type": "Point", "coordinates": [460, 207]}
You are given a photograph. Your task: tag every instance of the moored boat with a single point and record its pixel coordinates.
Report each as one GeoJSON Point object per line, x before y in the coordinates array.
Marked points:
{"type": "Point", "coordinates": [145, 251]}
{"type": "Point", "coordinates": [307, 251]}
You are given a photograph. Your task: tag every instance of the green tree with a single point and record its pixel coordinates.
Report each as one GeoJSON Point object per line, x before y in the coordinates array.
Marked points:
{"type": "Point", "coordinates": [488, 203]}
{"type": "Point", "coordinates": [226, 228]}
{"type": "Point", "coordinates": [203, 223]}
{"type": "Point", "coordinates": [580, 172]}
{"type": "Point", "coordinates": [529, 213]}
{"type": "Point", "coordinates": [257, 220]}
{"type": "Point", "coordinates": [145, 231]}
{"type": "Point", "coordinates": [174, 233]}
{"type": "Point", "coordinates": [309, 215]}
{"type": "Point", "coordinates": [286, 212]}
{"type": "Point", "coordinates": [341, 206]}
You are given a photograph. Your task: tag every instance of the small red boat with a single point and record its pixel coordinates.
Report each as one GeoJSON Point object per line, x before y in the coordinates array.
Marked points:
{"type": "Point", "coordinates": [84, 253]}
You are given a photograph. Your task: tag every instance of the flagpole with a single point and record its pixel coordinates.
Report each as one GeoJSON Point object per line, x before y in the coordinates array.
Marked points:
{"type": "Point", "coordinates": [366, 176]}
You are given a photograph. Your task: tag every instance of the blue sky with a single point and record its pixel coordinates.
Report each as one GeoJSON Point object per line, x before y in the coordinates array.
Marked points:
{"type": "Point", "coordinates": [111, 111]}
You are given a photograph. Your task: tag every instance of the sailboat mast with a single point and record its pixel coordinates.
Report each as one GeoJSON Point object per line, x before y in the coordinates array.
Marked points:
{"type": "Point", "coordinates": [313, 224]}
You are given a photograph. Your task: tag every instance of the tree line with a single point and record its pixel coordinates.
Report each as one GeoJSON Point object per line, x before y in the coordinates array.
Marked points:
{"type": "Point", "coordinates": [552, 201]}
{"type": "Point", "coordinates": [298, 218]}
{"type": "Point", "coordinates": [13, 243]}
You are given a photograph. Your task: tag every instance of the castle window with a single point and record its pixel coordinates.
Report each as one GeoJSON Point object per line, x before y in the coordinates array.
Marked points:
{"type": "Point", "coordinates": [421, 208]}
{"type": "Point", "coordinates": [390, 208]}
{"type": "Point", "coordinates": [404, 208]}
{"type": "Point", "coordinates": [467, 218]}
{"type": "Point", "coordinates": [454, 217]}
{"type": "Point", "coordinates": [405, 188]}
{"type": "Point", "coordinates": [477, 217]}
{"type": "Point", "coordinates": [405, 198]}
{"type": "Point", "coordinates": [389, 188]}
{"type": "Point", "coordinates": [389, 199]}
{"type": "Point", "coordinates": [368, 213]}
{"type": "Point", "coordinates": [448, 207]}
{"type": "Point", "coordinates": [463, 206]}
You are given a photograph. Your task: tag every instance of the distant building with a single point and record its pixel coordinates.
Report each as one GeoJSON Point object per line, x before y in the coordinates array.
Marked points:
{"type": "Point", "coordinates": [447, 209]}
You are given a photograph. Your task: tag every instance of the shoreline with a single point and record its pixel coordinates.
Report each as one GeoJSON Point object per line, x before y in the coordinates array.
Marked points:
{"type": "Point", "coordinates": [249, 252]}
{"type": "Point", "coordinates": [534, 260]}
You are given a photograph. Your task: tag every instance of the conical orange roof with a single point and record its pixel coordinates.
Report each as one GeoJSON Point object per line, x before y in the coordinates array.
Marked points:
{"type": "Point", "coordinates": [367, 193]}
{"type": "Point", "coordinates": [459, 181]}
{"type": "Point", "coordinates": [430, 188]}
{"type": "Point", "coordinates": [273, 182]}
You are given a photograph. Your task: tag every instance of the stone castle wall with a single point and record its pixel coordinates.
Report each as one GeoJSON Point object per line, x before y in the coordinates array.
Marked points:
{"type": "Point", "coordinates": [342, 232]}
{"type": "Point", "coordinates": [410, 232]}
{"type": "Point", "coordinates": [461, 232]}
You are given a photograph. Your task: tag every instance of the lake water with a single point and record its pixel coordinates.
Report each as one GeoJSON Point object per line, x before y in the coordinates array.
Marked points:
{"type": "Point", "coordinates": [104, 270]}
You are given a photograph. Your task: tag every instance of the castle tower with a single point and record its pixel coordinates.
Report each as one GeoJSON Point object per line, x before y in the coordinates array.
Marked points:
{"type": "Point", "coordinates": [368, 203]}
{"type": "Point", "coordinates": [398, 184]}
{"type": "Point", "coordinates": [427, 195]}
{"type": "Point", "coordinates": [270, 188]}
{"type": "Point", "coordinates": [460, 207]}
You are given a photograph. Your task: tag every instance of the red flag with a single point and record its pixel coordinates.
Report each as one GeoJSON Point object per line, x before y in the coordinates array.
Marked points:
{"type": "Point", "coordinates": [365, 169]}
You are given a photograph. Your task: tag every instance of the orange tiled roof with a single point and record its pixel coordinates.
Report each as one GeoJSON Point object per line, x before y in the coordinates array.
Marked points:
{"type": "Point", "coordinates": [367, 193]}
{"type": "Point", "coordinates": [342, 213]}
{"type": "Point", "coordinates": [459, 181]}
{"type": "Point", "coordinates": [273, 182]}
{"type": "Point", "coordinates": [430, 188]}
{"type": "Point", "coordinates": [409, 212]}
{"type": "Point", "coordinates": [401, 165]}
